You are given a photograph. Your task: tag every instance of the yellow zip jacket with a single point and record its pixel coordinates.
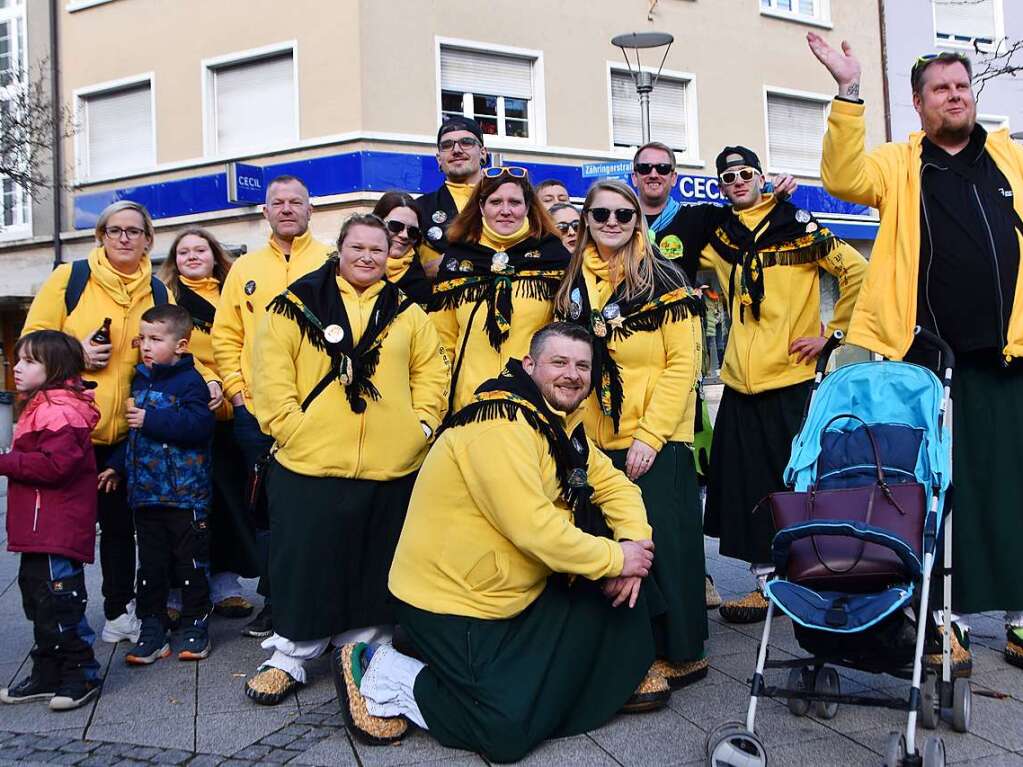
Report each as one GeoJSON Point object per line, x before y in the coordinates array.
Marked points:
{"type": "Point", "coordinates": [329, 440]}
{"type": "Point", "coordinates": [757, 355]}
{"type": "Point", "coordinates": [122, 298]}
{"type": "Point", "coordinates": [660, 370]}
{"type": "Point", "coordinates": [254, 281]}
{"type": "Point", "coordinates": [486, 526]}
{"type": "Point", "coordinates": [888, 178]}
{"type": "Point", "coordinates": [201, 342]}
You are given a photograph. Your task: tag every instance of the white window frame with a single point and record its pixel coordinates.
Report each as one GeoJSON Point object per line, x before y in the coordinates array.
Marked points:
{"type": "Point", "coordinates": [824, 99]}
{"type": "Point", "coordinates": [1002, 120]}
{"type": "Point", "coordinates": [22, 229]}
{"type": "Point", "coordinates": [208, 69]}
{"type": "Point", "coordinates": [999, 31]}
{"type": "Point", "coordinates": [537, 105]}
{"type": "Point", "coordinates": [691, 156]}
{"type": "Point", "coordinates": [81, 97]}
{"type": "Point", "coordinates": [820, 18]}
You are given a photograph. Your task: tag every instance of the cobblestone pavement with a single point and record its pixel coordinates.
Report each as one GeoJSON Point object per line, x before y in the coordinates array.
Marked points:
{"type": "Point", "coordinates": [196, 714]}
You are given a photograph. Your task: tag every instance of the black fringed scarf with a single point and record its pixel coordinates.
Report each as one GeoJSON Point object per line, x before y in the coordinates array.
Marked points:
{"type": "Point", "coordinates": [474, 273]}
{"type": "Point", "coordinates": [201, 310]}
{"type": "Point", "coordinates": [512, 393]}
{"type": "Point", "coordinates": [314, 304]}
{"type": "Point", "coordinates": [620, 318]}
{"type": "Point", "coordinates": [787, 236]}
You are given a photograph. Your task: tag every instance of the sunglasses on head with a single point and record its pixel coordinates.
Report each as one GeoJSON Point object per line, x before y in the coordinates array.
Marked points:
{"type": "Point", "coordinates": [466, 142]}
{"type": "Point", "coordinates": [603, 215]}
{"type": "Point", "coordinates": [662, 168]}
{"type": "Point", "coordinates": [927, 58]}
{"type": "Point", "coordinates": [565, 226]}
{"type": "Point", "coordinates": [397, 227]}
{"type": "Point", "coordinates": [731, 176]}
{"type": "Point", "coordinates": [512, 170]}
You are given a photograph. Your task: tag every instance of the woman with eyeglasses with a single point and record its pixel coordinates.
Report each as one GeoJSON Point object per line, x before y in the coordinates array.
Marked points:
{"type": "Point", "coordinates": [497, 279]}
{"type": "Point", "coordinates": [99, 301]}
{"type": "Point", "coordinates": [398, 212]}
{"type": "Point", "coordinates": [351, 387]}
{"type": "Point", "coordinates": [567, 220]}
{"type": "Point", "coordinates": [647, 341]}
{"type": "Point", "coordinates": [194, 271]}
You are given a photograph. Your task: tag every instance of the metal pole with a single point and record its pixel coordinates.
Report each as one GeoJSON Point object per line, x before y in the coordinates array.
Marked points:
{"type": "Point", "coordinates": [644, 86]}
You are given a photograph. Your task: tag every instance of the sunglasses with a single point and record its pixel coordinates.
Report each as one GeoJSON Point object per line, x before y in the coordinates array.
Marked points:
{"type": "Point", "coordinates": [512, 170]}
{"type": "Point", "coordinates": [397, 227]}
{"type": "Point", "coordinates": [565, 226]}
{"type": "Point", "coordinates": [731, 176]}
{"type": "Point", "coordinates": [466, 142]}
{"type": "Point", "coordinates": [927, 58]}
{"type": "Point", "coordinates": [603, 215]}
{"type": "Point", "coordinates": [662, 168]}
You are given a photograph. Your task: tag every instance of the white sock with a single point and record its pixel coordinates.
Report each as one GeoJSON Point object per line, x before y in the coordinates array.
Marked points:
{"type": "Point", "coordinates": [388, 683]}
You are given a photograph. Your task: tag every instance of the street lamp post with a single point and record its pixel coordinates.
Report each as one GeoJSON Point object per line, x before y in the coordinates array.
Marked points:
{"type": "Point", "coordinates": [643, 80]}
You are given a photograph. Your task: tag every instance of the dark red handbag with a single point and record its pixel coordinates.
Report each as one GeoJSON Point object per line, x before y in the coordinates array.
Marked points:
{"type": "Point", "coordinates": [847, 563]}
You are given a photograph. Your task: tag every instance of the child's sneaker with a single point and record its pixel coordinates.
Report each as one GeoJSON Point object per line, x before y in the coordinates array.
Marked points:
{"type": "Point", "coordinates": [124, 626]}
{"type": "Point", "coordinates": [29, 689]}
{"type": "Point", "coordinates": [196, 645]}
{"type": "Point", "coordinates": [152, 644]}
{"type": "Point", "coordinates": [74, 695]}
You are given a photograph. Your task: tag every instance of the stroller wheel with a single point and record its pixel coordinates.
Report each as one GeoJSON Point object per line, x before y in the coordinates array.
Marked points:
{"type": "Point", "coordinates": [895, 750]}
{"type": "Point", "coordinates": [800, 679]}
{"type": "Point", "coordinates": [826, 680]}
{"type": "Point", "coordinates": [934, 752]}
{"type": "Point", "coordinates": [735, 746]}
{"type": "Point", "coordinates": [961, 705]}
{"type": "Point", "coordinates": [930, 704]}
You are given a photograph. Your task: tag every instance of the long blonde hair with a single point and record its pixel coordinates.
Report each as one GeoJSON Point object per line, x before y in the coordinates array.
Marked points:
{"type": "Point", "coordinates": [641, 267]}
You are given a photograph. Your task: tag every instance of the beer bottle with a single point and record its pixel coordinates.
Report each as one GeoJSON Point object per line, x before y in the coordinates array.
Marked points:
{"type": "Point", "coordinates": [102, 336]}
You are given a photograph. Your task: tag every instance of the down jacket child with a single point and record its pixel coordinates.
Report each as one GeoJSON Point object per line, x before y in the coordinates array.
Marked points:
{"type": "Point", "coordinates": [51, 494]}
{"type": "Point", "coordinates": [166, 462]}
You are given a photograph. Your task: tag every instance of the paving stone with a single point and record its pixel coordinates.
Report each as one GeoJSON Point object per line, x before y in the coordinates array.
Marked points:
{"type": "Point", "coordinates": [278, 739]}
{"type": "Point", "coordinates": [226, 733]}
{"type": "Point", "coordinates": [833, 750]}
{"type": "Point", "coordinates": [158, 732]}
{"type": "Point", "coordinates": [252, 752]}
{"type": "Point", "coordinates": [67, 757]}
{"type": "Point", "coordinates": [130, 763]}
{"type": "Point", "coordinates": [659, 738]}
{"type": "Point", "coordinates": [172, 756]}
{"type": "Point", "coordinates": [333, 751]}
{"type": "Point", "coordinates": [80, 746]}
{"type": "Point", "coordinates": [415, 748]}
{"type": "Point", "coordinates": [142, 753]}
{"type": "Point", "coordinates": [205, 760]}
{"type": "Point", "coordinates": [998, 760]}
{"type": "Point", "coordinates": [579, 751]}
{"type": "Point", "coordinates": [18, 753]}
{"type": "Point", "coordinates": [52, 742]}
{"type": "Point", "coordinates": [311, 719]}
{"type": "Point", "coordinates": [281, 756]}
{"type": "Point", "coordinates": [99, 761]}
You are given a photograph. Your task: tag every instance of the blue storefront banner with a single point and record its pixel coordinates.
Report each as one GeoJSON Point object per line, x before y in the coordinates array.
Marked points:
{"type": "Point", "coordinates": [415, 173]}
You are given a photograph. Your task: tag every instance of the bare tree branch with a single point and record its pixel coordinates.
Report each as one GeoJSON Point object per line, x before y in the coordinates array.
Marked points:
{"type": "Point", "coordinates": [1005, 60]}
{"type": "Point", "coordinates": [27, 115]}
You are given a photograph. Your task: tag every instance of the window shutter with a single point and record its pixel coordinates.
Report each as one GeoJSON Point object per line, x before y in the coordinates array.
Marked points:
{"type": "Point", "coordinates": [255, 103]}
{"type": "Point", "coordinates": [668, 118]}
{"type": "Point", "coordinates": [795, 131]}
{"type": "Point", "coordinates": [120, 131]}
{"type": "Point", "coordinates": [965, 20]}
{"type": "Point", "coordinates": [485, 73]}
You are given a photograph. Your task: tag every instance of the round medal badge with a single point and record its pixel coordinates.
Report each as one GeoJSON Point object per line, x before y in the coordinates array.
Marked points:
{"type": "Point", "coordinates": [802, 216]}
{"type": "Point", "coordinates": [250, 287]}
{"type": "Point", "coordinates": [434, 233]}
{"type": "Point", "coordinates": [439, 217]}
{"type": "Point", "coordinates": [334, 334]}
{"type": "Point", "coordinates": [611, 312]}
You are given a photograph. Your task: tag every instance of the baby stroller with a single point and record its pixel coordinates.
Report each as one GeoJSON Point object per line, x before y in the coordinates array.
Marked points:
{"type": "Point", "coordinates": [854, 553]}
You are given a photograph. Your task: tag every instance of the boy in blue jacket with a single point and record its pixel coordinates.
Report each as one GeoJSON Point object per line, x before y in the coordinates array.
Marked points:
{"type": "Point", "coordinates": [166, 463]}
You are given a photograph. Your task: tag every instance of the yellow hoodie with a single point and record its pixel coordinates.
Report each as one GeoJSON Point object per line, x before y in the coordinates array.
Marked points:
{"type": "Point", "coordinates": [108, 293]}
{"type": "Point", "coordinates": [482, 362]}
{"type": "Point", "coordinates": [254, 281]}
{"type": "Point", "coordinates": [486, 526]}
{"type": "Point", "coordinates": [757, 356]}
{"type": "Point", "coordinates": [888, 178]}
{"type": "Point", "coordinates": [660, 370]}
{"type": "Point", "coordinates": [329, 440]}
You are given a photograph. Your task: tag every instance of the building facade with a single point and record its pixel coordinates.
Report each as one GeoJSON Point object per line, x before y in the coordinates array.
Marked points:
{"type": "Point", "coordinates": [917, 27]}
{"type": "Point", "coordinates": [189, 107]}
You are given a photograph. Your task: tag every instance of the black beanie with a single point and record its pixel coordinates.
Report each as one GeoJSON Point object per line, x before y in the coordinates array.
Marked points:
{"type": "Point", "coordinates": [749, 158]}
{"type": "Point", "coordinates": [459, 123]}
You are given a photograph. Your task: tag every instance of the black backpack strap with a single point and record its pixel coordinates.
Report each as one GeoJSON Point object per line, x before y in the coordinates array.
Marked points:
{"type": "Point", "coordinates": [159, 292]}
{"type": "Point", "coordinates": [76, 283]}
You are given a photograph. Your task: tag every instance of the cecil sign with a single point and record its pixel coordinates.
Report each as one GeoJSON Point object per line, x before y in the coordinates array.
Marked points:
{"type": "Point", "coordinates": [245, 184]}
{"type": "Point", "coordinates": [690, 189]}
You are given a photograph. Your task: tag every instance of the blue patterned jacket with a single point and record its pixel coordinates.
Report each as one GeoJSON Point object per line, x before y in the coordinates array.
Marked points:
{"type": "Point", "coordinates": [167, 461]}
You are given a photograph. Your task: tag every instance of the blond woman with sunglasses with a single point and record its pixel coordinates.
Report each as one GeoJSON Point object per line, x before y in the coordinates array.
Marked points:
{"type": "Point", "coordinates": [497, 279]}
{"type": "Point", "coordinates": [648, 344]}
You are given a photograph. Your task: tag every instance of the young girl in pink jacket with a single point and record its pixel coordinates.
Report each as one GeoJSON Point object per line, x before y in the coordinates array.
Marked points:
{"type": "Point", "coordinates": [51, 517]}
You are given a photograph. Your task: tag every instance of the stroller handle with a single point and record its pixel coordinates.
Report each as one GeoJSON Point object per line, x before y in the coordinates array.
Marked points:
{"type": "Point", "coordinates": [933, 340]}
{"type": "Point", "coordinates": [833, 342]}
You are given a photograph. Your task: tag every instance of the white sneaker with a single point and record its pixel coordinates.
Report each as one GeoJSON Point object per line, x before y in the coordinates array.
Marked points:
{"type": "Point", "coordinates": [125, 626]}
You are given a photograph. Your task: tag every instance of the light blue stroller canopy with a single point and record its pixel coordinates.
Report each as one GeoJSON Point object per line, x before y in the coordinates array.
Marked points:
{"type": "Point", "coordinates": [901, 403]}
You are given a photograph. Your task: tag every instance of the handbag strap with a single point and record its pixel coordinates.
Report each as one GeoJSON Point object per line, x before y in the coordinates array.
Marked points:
{"type": "Point", "coordinates": [873, 445]}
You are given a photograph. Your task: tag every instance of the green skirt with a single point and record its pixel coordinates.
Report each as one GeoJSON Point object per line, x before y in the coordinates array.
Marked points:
{"type": "Point", "coordinates": [675, 587]}
{"type": "Point", "coordinates": [232, 535]}
{"type": "Point", "coordinates": [987, 515]}
{"type": "Point", "coordinates": [331, 545]}
{"type": "Point", "coordinates": [563, 666]}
